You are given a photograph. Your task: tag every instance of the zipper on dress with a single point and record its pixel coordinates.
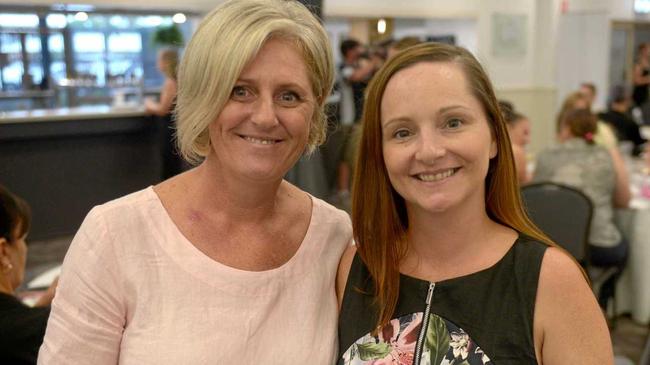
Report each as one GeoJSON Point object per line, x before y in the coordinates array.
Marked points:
{"type": "Point", "coordinates": [425, 324]}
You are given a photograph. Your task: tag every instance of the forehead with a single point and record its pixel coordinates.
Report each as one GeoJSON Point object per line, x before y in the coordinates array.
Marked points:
{"type": "Point", "coordinates": [429, 76]}
{"type": "Point", "coordinates": [278, 57]}
{"type": "Point", "coordinates": [431, 84]}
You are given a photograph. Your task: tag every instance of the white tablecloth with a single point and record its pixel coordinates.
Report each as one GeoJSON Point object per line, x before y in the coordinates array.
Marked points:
{"type": "Point", "coordinates": [633, 290]}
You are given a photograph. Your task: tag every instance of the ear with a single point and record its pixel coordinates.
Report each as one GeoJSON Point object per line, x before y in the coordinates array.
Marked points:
{"type": "Point", "coordinates": [3, 247]}
{"type": "Point", "coordinates": [493, 148]}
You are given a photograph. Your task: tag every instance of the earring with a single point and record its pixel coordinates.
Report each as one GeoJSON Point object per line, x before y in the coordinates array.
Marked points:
{"type": "Point", "coordinates": [6, 266]}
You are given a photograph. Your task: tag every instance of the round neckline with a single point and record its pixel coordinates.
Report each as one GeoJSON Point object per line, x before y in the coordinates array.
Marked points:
{"type": "Point", "coordinates": [183, 252]}
{"type": "Point", "coordinates": [465, 276]}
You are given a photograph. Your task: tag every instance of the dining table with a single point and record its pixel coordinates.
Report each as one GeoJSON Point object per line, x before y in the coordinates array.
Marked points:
{"type": "Point", "coordinates": [633, 288]}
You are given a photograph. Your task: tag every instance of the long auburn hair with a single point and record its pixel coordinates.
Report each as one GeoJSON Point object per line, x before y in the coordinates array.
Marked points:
{"type": "Point", "coordinates": [379, 216]}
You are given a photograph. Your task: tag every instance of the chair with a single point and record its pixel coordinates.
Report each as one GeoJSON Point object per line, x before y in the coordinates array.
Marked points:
{"type": "Point", "coordinates": [563, 213]}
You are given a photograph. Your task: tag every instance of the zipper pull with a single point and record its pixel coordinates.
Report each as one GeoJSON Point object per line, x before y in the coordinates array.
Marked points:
{"type": "Point", "coordinates": [430, 292]}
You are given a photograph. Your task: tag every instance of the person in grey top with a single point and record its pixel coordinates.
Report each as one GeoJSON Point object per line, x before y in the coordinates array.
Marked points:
{"type": "Point", "coordinates": [601, 175]}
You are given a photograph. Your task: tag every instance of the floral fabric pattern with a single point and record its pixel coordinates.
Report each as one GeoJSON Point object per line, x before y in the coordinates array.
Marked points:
{"type": "Point", "coordinates": [444, 344]}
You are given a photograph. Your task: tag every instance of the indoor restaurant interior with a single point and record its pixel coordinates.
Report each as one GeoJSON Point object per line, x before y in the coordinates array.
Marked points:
{"type": "Point", "coordinates": [85, 116]}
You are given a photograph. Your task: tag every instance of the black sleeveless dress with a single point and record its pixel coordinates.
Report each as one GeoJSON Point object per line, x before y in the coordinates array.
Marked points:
{"type": "Point", "coordinates": [640, 92]}
{"type": "Point", "coordinates": [481, 318]}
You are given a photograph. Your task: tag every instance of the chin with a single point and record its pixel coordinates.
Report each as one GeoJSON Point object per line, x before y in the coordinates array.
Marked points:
{"type": "Point", "coordinates": [431, 206]}
{"type": "Point", "coordinates": [264, 173]}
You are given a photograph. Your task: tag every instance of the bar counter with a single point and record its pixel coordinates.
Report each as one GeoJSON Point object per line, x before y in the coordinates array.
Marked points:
{"type": "Point", "coordinates": [76, 113]}
{"type": "Point", "coordinates": [65, 161]}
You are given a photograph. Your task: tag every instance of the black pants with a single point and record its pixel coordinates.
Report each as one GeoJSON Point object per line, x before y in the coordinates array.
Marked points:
{"type": "Point", "coordinates": [172, 162]}
{"type": "Point", "coordinates": [606, 257]}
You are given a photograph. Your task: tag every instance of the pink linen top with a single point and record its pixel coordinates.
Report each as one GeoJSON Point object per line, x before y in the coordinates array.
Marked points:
{"type": "Point", "coordinates": [134, 290]}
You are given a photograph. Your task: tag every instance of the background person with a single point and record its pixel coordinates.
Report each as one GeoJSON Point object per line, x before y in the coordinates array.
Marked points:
{"type": "Point", "coordinates": [580, 163]}
{"type": "Point", "coordinates": [519, 132]}
{"type": "Point", "coordinates": [355, 71]}
{"type": "Point", "coordinates": [163, 111]}
{"type": "Point", "coordinates": [641, 75]}
{"type": "Point", "coordinates": [604, 134]}
{"type": "Point", "coordinates": [21, 328]}
{"type": "Point", "coordinates": [618, 117]}
{"type": "Point", "coordinates": [217, 265]}
{"type": "Point", "coordinates": [402, 44]}
{"type": "Point", "coordinates": [588, 91]}
{"type": "Point", "coordinates": [455, 266]}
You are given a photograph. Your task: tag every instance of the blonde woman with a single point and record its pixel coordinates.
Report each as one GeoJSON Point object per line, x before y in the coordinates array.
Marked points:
{"type": "Point", "coordinates": [226, 263]}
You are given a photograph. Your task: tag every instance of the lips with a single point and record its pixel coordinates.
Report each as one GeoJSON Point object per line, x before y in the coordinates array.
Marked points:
{"type": "Point", "coordinates": [437, 176]}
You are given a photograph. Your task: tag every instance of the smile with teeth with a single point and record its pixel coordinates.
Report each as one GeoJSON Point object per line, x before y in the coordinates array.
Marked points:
{"type": "Point", "coordinates": [260, 140]}
{"type": "Point", "coordinates": [437, 176]}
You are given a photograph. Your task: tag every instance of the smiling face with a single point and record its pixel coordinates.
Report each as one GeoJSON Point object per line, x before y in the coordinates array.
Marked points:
{"type": "Point", "coordinates": [264, 127]}
{"type": "Point", "coordinates": [436, 139]}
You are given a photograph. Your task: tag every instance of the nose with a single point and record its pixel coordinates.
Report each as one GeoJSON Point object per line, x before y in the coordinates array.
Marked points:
{"type": "Point", "coordinates": [263, 113]}
{"type": "Point", "coordinates": [429, 148]}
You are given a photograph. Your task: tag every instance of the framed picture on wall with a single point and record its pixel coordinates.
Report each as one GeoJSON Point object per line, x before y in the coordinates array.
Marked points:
{"type": "Point", "coordinates": [509, 35]}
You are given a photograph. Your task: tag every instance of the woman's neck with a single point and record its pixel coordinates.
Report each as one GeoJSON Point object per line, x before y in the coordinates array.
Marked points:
{"type": "Point", "coordinates": [210, 190]}
{"type": "Point", "coordinates": [441, 236]}
{"type": "Point", "coordinates": [452, 244]}
{"type": "Point", "coordinates": [5, 285]}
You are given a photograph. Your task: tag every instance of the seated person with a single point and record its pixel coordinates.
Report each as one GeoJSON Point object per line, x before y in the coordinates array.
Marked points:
{"type": "Point", "coordinates": [604, 134]}
{"type": "Point", "coordinates": [618, 118]}
{"type": "Point", "coordinates": [519, 132]}
{"type": "Point", "coordinates": [580, 163]}
{"type": "Point", "coordinates": [21, 328]}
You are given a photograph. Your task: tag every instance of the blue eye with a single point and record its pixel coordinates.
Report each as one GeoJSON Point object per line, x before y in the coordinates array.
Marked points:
{"type": "Point", "coordinates": [239, 92]}
{"type": "Point", "coordinates": [289, 98]}
{"type": "Point", "coordinates": [454, 123]}
{"type": "Point", "coordinates": [401, 133]}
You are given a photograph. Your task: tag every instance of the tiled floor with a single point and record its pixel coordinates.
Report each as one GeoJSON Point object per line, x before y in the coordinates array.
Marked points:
{"type": "Point", "coordinates": [628, 337]}
{"type": "Point", "coordinates": [43, 255]}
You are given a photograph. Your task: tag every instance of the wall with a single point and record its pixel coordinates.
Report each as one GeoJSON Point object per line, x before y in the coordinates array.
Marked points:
{"type": "Point", "coordinates": [527, 79]}
{"type": "Point", "coordinates": [583, 53]}
{"type": "Point", "coordinates": [562, 48]}
{"type": "Point", "coordinates": [464, 29]}
{"type": "Point", "coordinates": [337, 29]}
{"type": "Point", "coordinates": [397, 9]}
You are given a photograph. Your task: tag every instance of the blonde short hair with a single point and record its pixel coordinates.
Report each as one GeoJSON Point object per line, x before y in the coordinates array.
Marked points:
{"type": "Point", "coordinates": [224, 43]}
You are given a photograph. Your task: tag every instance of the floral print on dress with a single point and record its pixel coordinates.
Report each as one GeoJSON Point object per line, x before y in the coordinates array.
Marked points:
{"type": "Point", "coordinates": [444, 344]}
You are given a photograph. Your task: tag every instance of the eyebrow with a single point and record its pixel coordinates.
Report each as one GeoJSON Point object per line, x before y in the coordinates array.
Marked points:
{"type": "Point", "coordinates": [452, 107]}
{"type": "Point", "coordinates": [441, 111]}
{"type": "Point", "coordinates": [282, 85]}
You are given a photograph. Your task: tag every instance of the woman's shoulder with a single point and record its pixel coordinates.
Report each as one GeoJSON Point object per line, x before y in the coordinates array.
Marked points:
{"type": "Point", "coordinates": [330, 211]}
{"type": "Point", "coordinates": [565, 306]}
{"type": "Point", "coordinates": [131, 202]}
{"type": "Point", "coordinates": [331, 224]}
{"type": "Point", "coordinates": [127, 213]}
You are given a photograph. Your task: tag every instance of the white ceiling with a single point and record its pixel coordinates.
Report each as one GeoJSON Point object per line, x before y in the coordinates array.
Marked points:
{"type": "Point", "coordinates": [200, 6]}
{"type": "Point", "coordinates": [349, 8]}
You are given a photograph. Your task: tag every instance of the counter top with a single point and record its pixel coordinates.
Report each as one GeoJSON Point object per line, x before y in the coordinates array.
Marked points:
{"type": "Point", "coordinates": [85, 112]}
{"type": "Point", "coordinates": [76, 113]}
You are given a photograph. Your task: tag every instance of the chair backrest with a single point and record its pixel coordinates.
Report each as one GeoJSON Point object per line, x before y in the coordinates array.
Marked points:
{"type": "Point", "coordinates": [563, 213]}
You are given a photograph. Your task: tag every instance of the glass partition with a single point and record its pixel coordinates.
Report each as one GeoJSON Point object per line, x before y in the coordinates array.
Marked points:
{"type": "Point", "coordinates": [80, 56]}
